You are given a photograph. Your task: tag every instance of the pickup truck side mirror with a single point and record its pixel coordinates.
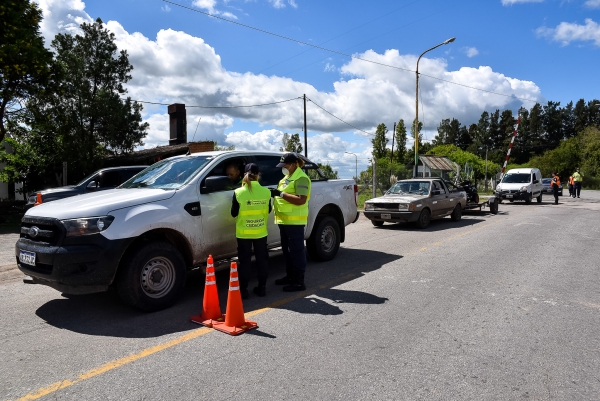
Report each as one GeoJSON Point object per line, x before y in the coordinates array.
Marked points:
{"type": "Point", "coordinates": [535, 181]}
{"type": "Point", "coordinates": [215, 184]}
{"type": "Point", "coordinates": [92, 185]}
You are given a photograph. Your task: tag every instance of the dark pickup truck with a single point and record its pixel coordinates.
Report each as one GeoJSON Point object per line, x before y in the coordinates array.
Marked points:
{"type": "Point", "coordinates": [106, 178]}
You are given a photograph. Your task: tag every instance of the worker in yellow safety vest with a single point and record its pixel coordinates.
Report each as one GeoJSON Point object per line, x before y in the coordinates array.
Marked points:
{"type": "Point", "coordinates": [290, 202]}
{"type": "Point", "coordinates": [251, 205]}
{"type": "Point", "coordinates": [578, 178]}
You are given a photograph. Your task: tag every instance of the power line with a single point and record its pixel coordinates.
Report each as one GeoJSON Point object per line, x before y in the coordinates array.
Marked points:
{"type": "Point", "coordinates": [340, 53]}
{"type": "Point", "coordinates": [334, 116]}
{"type": "Point", "coordinates": [341, 34]}
{"type": "Point", "coordinates": [220, 107]}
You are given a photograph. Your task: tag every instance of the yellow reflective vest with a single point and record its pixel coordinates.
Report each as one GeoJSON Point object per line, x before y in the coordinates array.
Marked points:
{"type": "Point", "coordinates": [251, 221]}
{"type": "Point", "coordinates": [285, 212]}
{"type": "Point", "coordinates": [577, 177]}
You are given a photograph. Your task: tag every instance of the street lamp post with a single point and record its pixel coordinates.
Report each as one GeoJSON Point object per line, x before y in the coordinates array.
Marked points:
{"type": "Point", "coordinates": [416, 123]}
{"type": "Point", "coordinates": [355, 164]}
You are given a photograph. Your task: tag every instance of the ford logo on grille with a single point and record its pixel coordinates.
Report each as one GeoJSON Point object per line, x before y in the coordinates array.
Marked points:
{"type": "Point", "coordinates": [34, 231]}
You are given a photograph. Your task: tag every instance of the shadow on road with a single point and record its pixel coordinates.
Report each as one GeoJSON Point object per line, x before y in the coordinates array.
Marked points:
{"type": "Point", "coordinates": [434, 225]}
{"type": "Point", "coordinates": [104, 315]}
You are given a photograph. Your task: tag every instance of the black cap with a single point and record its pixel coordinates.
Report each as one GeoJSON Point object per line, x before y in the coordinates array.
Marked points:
{"type": "Point", "coordinates": [287, 158]}
{"type": "Point", "coordinates": [251, 168]}
{"type": "Point", "coordinates": [554, 173]}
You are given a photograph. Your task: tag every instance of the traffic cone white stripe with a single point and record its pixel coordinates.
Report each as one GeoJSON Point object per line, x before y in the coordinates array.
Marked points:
{"type": "Point", "coordinates": [234, 288]}
{"type": "Point", "coordinates": [211, 283]}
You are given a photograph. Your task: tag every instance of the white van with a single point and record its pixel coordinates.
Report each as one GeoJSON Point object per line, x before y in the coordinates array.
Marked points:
{"type": "Point", "coordinates": [521, 184]}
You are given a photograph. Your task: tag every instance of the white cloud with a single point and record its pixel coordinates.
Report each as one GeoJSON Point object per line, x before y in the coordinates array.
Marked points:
{"type": "Point", "coordinates": [592, 3]}
{"type": "Point", "coordinates": [208, 5]}
{"type": "Point", "coordinates": [567, 32]}
{"type": "Point", "coordinates": [281, 3]}
{"type": "Point", "coordinates": [62, 16]}
{"type": "Point", "coordinates": [471, 51]}
{"type": "Point", "coordinates": [511, 2]}
{"type": "Point", "coordinates": [330, 67]}
{"type": "Point", "coordinates": [367, 95]}
{"type": "Point", "coordinates": [166, 8]}
{"type": "Point", "coordinates": [264, 140]}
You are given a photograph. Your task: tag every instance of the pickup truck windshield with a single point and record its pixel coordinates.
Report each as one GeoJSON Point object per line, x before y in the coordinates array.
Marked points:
{"type": "Point", "coordinates": [519, 178]}
{"type": "Point", "coordinates": [410, 187]}
{"type": "Point", "coordinates": [168, 174]}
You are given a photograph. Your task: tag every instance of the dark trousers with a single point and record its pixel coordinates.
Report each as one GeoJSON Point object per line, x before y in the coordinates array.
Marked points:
{"type": "Point", "coordinates": [261, 254]}
{"type": "Point", "coordinates": [555, 191]}
{"type": "Point", "coordinates": [577, 189]}
{"type": "Point", "coordinates": [571, 190]}
{"type": "Point", "coordinates": [292, 243]}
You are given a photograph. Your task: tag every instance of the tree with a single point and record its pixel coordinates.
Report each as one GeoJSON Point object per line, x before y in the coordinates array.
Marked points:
{"type": "Point", "coordinates": [589, 143]}
{"type": "Point", "coordinates": [379, 142]}
{"type": "Point", "coordinates": [420, 137]}
{"type": "Point", "coordinates": [400, 156]}
{"type": "Point", "coordinates": [85, 110]}
{"type": "Point", "coordinates": [461, 157]}
{"type": "Point", "coordinates": [291, 143]}
{"type": "Point", "coordinates": [329, 172]}
{"type": "Point", "coordinates": [24, 61]}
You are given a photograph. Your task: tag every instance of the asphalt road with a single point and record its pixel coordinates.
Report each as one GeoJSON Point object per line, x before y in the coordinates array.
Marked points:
{"type": "Point", "coordinates": [494, 307]}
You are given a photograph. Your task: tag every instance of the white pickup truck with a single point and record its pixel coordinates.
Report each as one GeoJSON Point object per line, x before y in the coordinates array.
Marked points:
{"type": "Point", "coordinates": [144, 235]}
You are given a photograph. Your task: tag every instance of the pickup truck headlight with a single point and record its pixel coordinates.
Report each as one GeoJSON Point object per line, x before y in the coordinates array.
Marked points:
{"type": "Point", "coordinates": [524, 189]}
{"type": "Point", "coordinates": [86, 226]}
{"type": "Point", "coordinates": [369, 206]}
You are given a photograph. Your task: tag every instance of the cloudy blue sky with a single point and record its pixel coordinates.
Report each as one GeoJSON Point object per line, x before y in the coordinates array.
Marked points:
{"type": "Point", "coordinates": [521, 50]}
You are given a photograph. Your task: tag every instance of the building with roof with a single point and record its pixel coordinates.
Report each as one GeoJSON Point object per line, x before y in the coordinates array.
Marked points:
{"type": "Point", "coordinates": [433, 166]}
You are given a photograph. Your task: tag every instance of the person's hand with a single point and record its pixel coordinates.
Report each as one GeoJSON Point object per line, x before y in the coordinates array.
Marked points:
{"type": "Point", "coordinates": [274, 192]}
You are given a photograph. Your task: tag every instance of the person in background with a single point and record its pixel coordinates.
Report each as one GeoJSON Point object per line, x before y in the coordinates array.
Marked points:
{"type": "Point", "coordinates": [291, 214]}
{"type": "Point", "coordinates": [571, 186]}
{"type": "Point", "coordinates": [251, 205]}
{"type": "Point", "coordinates": [234, 174]}
{"type": "Point", "coordinates": [555, 183]}
{"type": "Point", "coordinates": [578, 178]}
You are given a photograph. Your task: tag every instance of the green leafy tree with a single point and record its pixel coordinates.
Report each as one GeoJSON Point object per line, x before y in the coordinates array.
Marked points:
{"type": "Point", "coordinates": [462, 157]}
{"type": "Point", "coordinates": [24, 61]}
{"type": "Point", "coordinates": [400, 153]}
{"type": "Point", "coordinates": [420, 140]}
{"type": "Point", "coordinates": [329, 172]}
{"type": "Point", "coordinates": [86, 110]}
{"type": "Point", "coordinates": [589, 143]}
{"type": "Point", "coordinates": [291, 143]}
{"type": "Point", "coordinates": [564, 159]}
{"type": "Point", "coordinates": [387, 173]}
{"type": "Point", "coordinates": [380, 142]}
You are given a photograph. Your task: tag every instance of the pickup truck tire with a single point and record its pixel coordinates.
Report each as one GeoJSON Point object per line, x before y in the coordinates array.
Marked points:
{"type": "Point", "coordinates": [324, 242]}
{"type": "Point", "coordinates": [424, 219]}
{"type": "Point", "coordinates": [456, 213]}
{"type": "Point", "coordinates": [377, 223]}
{"type": "Point", "coordinates": [151, 277]}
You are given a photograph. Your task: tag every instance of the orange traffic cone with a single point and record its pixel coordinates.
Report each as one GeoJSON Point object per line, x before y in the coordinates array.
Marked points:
{"type": "Point", "coordinates": [211, 309]}
{"type": "Point", "coordinates": [235, 323]}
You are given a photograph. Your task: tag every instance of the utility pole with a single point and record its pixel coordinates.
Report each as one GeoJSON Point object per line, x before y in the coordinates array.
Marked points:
{"type": "Point", "coordinates": [305, 135]}
{"type": "Point", "coordinates": [392, 155]}
{"type": "Point", "coordinates": [486, 183]}
{"type": "Point", "coordinates": [374, 178]}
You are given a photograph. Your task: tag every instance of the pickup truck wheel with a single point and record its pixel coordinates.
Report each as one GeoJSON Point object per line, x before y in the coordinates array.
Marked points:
{"type": "Point", "coordinates": [324, 242]}
{"type": "Point", "coordinates": [152, 277]}
{"type": "Point", "coordinates": [456, 213]}
{"type": "Point", "coordinates": [377, 223]}
{"type": "Point", "coordinates": [424, 219]}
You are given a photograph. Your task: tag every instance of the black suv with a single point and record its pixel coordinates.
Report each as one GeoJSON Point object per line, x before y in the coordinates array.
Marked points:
{"type": "Point", "coordinates": [106, 178]}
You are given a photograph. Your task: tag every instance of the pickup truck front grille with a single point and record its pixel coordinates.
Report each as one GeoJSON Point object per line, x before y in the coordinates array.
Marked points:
{"type": "Point", "coordinates": [42, 230]}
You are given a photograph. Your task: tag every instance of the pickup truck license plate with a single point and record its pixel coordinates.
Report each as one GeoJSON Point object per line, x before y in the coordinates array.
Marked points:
{"type": "Point", "coordinates": [509, 196]}
{"type": "Point", "coordinates": [27, 257]}
{"type": "Point", "coordinates": [386, 216]}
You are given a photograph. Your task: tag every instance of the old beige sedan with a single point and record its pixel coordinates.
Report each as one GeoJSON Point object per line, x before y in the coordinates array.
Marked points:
{"type": "Point", "coordinates": [418, 200]}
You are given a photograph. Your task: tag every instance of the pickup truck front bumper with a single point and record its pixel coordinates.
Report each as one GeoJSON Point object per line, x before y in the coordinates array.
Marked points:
{"type": "Point", "coordinates": [395, 216]}
{"type": "Point", "coordinates": [86, 266]}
